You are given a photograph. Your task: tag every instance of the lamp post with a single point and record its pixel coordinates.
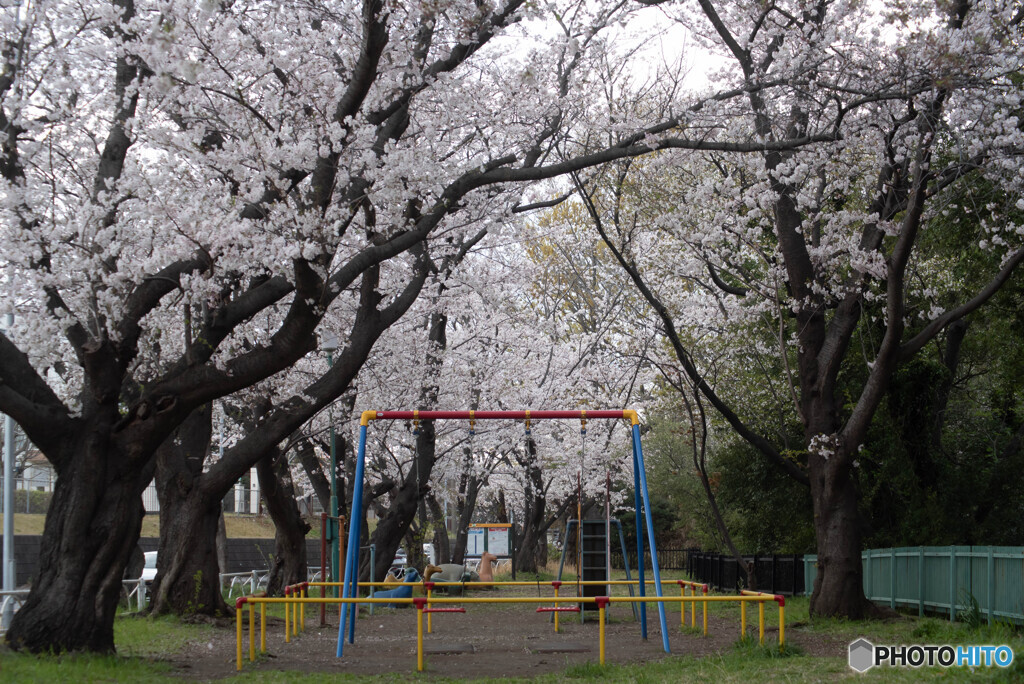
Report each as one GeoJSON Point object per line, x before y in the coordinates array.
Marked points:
{"type": "Point", "coordinates": [330, 345]}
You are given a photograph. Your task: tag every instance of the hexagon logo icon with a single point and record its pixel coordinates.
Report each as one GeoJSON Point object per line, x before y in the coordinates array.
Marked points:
{"type": "Point", "coordinates": [862, 655]}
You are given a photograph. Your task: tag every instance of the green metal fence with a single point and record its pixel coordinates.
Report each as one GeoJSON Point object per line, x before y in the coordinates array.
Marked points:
{"type": "Point", "coordinates": [945, 579]}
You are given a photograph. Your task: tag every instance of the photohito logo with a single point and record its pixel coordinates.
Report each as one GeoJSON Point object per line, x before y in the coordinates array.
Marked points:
{"type": "Point", "coordinates": [864, 655]}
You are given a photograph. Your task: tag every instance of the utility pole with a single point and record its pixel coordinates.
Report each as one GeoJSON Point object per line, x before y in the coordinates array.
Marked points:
{"type": "Point", "coordinates": [9, 563]}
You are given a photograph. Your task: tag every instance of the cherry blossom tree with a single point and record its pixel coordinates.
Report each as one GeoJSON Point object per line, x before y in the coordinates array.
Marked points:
{"type": "Point", "coordinates": [190, 188]}
{"type": "Point", "coordinates": [817, 251]}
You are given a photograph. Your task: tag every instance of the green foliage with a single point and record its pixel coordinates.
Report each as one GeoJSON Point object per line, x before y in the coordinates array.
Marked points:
{"type": "Point", "coordinates": [31, 501]}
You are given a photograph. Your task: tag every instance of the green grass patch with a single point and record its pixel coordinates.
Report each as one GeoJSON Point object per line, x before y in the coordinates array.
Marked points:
{"type": "Point", "coordinates": [23, 667]}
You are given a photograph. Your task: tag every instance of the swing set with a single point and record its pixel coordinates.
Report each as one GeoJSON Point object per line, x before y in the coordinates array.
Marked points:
{"type": "Point", "coordinates": [642, 499]}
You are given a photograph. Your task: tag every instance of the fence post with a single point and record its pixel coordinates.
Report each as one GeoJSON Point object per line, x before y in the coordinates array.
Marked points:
{"type": "Point", "coordinates": [892, 578]}
{"type": "Point", "coordinates": [773, 574]}
{"type": "Point", "coordinates": [952, 584]}
{"type": "Point", "coordinates": [920, 581]}
{"type": "Point", "coordinates": [868, 589]}
{"type": "Point", "coordinates": [991, 593]}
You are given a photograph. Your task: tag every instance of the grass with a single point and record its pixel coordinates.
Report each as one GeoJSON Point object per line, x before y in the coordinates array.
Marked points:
{"type": "Point", "coordinates": [238, 526]}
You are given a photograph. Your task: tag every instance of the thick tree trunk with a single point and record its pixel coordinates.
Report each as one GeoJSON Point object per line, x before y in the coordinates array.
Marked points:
{"type": "Point", "coordinates": [838, 586]}
{"type": "Point", "coordinates": [92, 528]}
{"type": "Point", "coordinates": [188, 580]}
{"type": "Point", "coordinates": [289, 565]}
{"type": "Point", "coordinates": [188, 575]}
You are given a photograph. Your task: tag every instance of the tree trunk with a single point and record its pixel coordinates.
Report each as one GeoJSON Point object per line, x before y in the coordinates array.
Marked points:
{"type": "Point", "coordinates": [188, 579]}
{"type": "Point", "coordinates": [469, 489]}
{"type": "Point", "coordinates": [392, 527]}
{"type": "Point", "coordinates": [442, 545]}
{"type": "Point", "coordinates": [188, 574]}
{"type": "Point", "coordinates": [92, 528]}
{"type": "Point", "coordinates": [838, 586]}
{"type": "Point", "coordinates": [222, 542]}
{"type": "Point", "coordinates": [289, 564]}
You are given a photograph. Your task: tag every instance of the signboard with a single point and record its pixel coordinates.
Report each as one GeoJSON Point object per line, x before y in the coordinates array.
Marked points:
{"type": "Point", "coordinates": [491, 537]}
{"type": "Point", "coordinates": [497, 541]}
{"type": "Point", "coordinates": [475, 541]}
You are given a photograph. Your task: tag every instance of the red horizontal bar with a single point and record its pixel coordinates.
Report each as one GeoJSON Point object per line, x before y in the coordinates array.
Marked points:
{"type": "Point", "coordinates": [497, 415]}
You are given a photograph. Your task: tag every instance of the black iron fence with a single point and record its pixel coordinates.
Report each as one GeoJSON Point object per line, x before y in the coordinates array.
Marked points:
{"type": "Point", "coordinates": [774, 573]}
{"type": "Point", "coordinates": [668, 559]}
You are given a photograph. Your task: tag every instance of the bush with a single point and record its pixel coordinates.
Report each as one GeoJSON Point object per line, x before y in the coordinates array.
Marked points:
{"type": "Point", "coordinates": [31, 501]}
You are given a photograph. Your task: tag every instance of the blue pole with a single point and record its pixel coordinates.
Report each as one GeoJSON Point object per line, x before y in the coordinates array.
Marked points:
{"type": "Point", "coordinates": [638, 465]}
{"type": "Point", "coordinates": [638, 504]}
{"type": "Point", "coordinates": [352, 553]}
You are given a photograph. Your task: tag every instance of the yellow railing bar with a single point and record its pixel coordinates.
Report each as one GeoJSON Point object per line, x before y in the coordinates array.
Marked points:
{"type": "Point", "coordinates": [602, 601]}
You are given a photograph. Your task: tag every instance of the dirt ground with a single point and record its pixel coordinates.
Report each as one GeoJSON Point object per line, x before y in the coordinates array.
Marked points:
{"type": "Point", "coordinates": [501, 640]}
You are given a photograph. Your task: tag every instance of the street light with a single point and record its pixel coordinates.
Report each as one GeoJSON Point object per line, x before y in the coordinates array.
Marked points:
{"type": "Point", "coordinates": [329, 344]}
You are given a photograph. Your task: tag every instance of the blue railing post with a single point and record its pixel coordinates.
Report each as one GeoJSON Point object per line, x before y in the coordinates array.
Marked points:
{"type": "Point", "coordinates": [638, 507]}
{"type": "Point", "coordinates": [650, 536]}
{"type": "Point", "coordinates": [352, 554]}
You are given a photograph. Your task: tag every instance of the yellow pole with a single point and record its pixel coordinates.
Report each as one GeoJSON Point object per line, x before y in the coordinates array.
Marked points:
{"type": "Point", "coordinates": [419, 637]}
{"type": "Point", "coordinates": [782, 626]}
{"type": "Point", "coordinates": [743, 620]}
{"type": "Point", "coordinates": [238, 639]}
{"type": "Point", "coordinates": [302, 610]}
{"type": "Point", "coordinates": [682, 606]}
{"type": "Point", "coordinates": [760, 620]}
{"type": "Point", "coordinates": [263, 627]}
{"type": "Point", "coordinates": [556, 612]}
{"type": "Point", "coordinates": [693, 609]}
{"type": "Point", "coordinates": [252, 632]}
{"type": "Point", "coordinates": [430, 616]}
{"type": "Point", "coordinates": [295, 616]}
{"type": "Point", "coordinates": [600, 618]}
{"type": "Point", "coordinates": [705, 618]}
{"type": "Point", "coordinates": [287, 625]}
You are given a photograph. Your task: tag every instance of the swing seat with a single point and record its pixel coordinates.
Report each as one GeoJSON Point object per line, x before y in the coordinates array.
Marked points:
{"type": "Point", "coordinates": [558, 609]}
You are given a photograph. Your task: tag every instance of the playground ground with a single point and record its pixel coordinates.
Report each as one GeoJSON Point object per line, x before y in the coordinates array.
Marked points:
{"type": "Point", "coordinates": [512, 642]}
{"type": "Point", "coordinates": [488, 641]}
